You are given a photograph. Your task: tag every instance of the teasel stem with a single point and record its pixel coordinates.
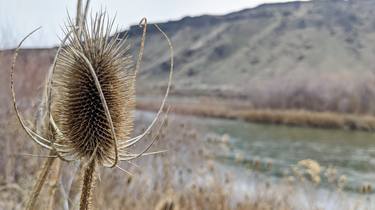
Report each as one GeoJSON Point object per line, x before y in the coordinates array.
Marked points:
{"type": "Point", "coordinates": [40, 182]}
{"type": "Point", "coordinates": [79, 13]}
{"type": "Point", "coordinates": [142, 23]}
{"type": "Point", "coordinates": [54, 183]}
{"type": "Point", "coordinates": [88, 185]}
{"type": "Point", "coordinates": [84, 15]}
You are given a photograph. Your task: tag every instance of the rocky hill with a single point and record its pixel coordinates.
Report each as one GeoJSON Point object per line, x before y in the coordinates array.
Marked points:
{"type": "Point", "coordinates": [317, 55]}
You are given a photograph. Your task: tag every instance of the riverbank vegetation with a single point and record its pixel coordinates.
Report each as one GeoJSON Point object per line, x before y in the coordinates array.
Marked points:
{"type": "Point", "coordinates": [291, 117]}
{"type": "Point", "coordinates": [180, 180]}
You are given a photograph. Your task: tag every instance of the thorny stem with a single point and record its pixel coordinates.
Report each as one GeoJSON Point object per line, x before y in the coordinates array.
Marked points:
{"type": "Point", "coordinates": [39, 183]}
{"type": "Point", "coordinates": [55, 175]}
{"type": "Point", "coordinates": [142, 23]}
{"type": "Point", "coordinates": [79, 13]}
{"type": "Point", "coordinates": [88, 185]}
{"type": "Point", "coordinates": [84, 15]}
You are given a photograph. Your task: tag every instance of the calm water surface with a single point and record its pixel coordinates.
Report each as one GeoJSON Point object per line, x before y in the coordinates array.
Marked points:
{"type": "Point", "coordinates": [352, 153]}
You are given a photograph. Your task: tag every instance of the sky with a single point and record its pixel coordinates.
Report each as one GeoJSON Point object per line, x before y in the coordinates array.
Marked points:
{"type": "Point", "coordinates": [19, 17]}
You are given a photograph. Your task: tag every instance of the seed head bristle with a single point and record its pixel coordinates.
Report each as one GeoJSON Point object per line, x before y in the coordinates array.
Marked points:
{"type": "Point", "coordinates": [78, 108]}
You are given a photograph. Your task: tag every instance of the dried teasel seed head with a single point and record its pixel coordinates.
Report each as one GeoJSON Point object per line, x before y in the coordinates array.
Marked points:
{"type": "Point", "coordinates": [78, 108]}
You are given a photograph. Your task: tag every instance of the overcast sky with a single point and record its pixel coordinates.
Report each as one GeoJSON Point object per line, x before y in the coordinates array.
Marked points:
{"type": "Point", "coordinates": [18, 17]}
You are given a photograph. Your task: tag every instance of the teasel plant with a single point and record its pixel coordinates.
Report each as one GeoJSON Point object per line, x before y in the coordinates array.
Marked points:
{"type": "Point", "coordinates": [89, 100]}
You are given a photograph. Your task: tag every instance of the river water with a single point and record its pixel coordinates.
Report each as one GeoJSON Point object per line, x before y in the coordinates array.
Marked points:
{"type": "Point", "coordinates": [351, 153]}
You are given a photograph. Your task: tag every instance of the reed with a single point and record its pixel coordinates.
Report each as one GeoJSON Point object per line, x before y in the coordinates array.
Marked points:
{"type": "Point", "coordinates": [292, 117]}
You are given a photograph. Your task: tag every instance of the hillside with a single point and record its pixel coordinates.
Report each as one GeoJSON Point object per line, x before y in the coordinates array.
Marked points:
{"type": "Point", "coordinates": [274, 40]}
{"type": "Point", "coordinates": [317, 55]}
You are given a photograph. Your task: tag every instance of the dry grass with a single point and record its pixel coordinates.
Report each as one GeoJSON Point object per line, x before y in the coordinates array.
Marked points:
{"type": "Point", "coordinates": [330, 120]}
{"type": "Point", "coordinates": [180, 180]}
